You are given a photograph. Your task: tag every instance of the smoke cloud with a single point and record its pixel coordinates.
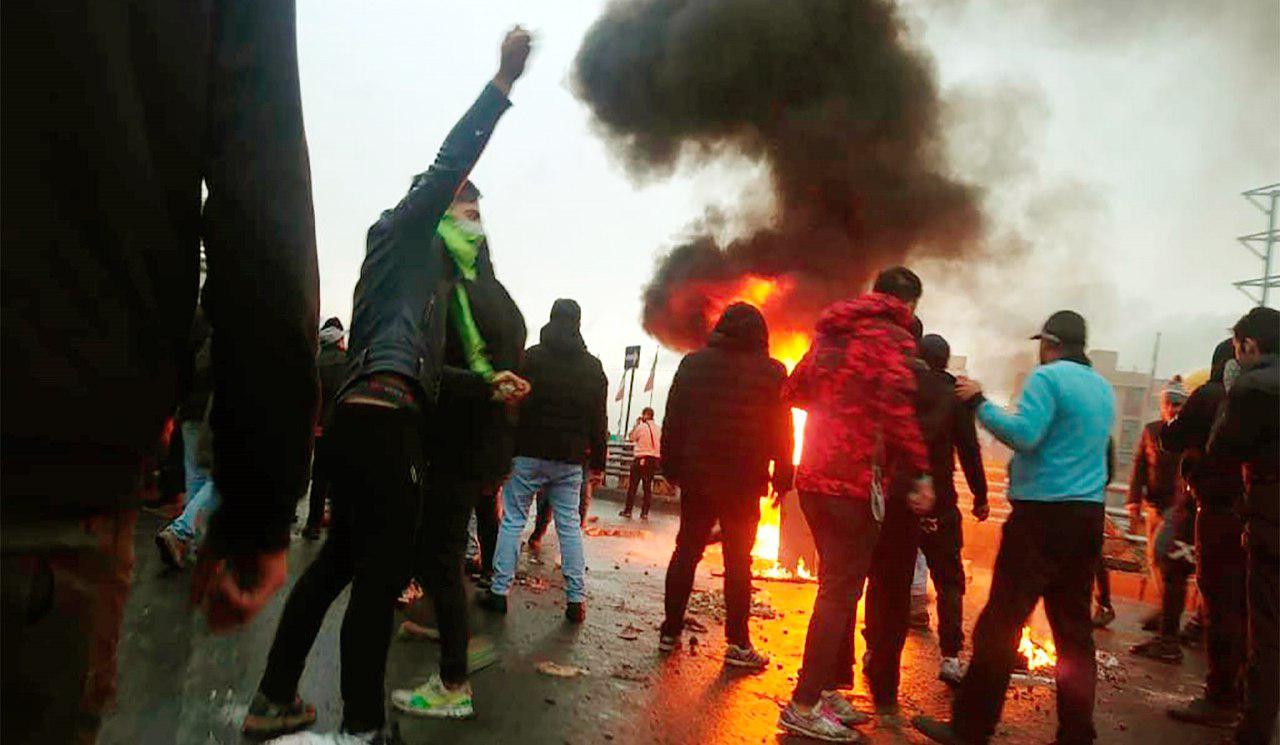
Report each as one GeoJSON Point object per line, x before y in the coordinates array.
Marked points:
{"type": "Point", "coordinates": [830, 95]}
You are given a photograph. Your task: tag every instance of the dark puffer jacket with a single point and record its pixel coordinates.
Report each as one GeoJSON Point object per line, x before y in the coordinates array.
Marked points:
{"type": "Point", "coordinates": [474, 437]}
{"type": "Point", "coordinates": [726, 420]}
{"type": "Point", "coordinates": [563, 419]}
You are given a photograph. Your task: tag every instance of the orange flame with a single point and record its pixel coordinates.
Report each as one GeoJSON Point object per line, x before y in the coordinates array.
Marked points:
{"type": "Point", "coordinates": [1038, 655]}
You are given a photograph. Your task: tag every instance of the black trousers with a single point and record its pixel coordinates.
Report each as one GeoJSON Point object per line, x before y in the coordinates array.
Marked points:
{"type": "Point", "coordinates": [887, 611]}
{"type": "Point", "coordinates": [738, 516]}
{"type": "Point", "coordinates": [1223, 567]}
{"type": "Point", "coordinates": [1103, 581]}
{"type": "Point", "coordinates": [1262, 675]}
{"type": "Point", "coordinates": [441, 549]}
{"type": "Point", "coordinates": [486, 507]}
{"type": "Point", "coordinates": [888, 605]}
{"type": "Point", "coordinates": [1048, 550]}
{"type": "Point", "coordinates": [845, 533]}
{"type": "Point", "coordinates": [941, 549]}
{"type": "Point", "coordinates": [642, 471]}
{"type": "Point", "coordinates": [1174, 574]}
{"type": "Point", "coordinates": [377, 473]}
{"type": "Point", "coordinates": [320, 485]}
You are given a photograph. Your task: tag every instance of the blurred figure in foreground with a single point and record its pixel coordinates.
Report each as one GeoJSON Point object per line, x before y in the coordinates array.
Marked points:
{"type": "Point", "coordinates": [115, 117]}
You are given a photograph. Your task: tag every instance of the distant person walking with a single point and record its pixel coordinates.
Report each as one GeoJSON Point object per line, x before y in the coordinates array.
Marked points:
{"type": "Point", "coordinates": [646, 439]}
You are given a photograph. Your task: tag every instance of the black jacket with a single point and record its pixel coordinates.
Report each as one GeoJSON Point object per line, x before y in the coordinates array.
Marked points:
{"type": "Point", "coordinates": [114, 115]}
{"type": "Point", "coordinates": [399, 311]}
{"type": "Point", "coordinates": [332, 364]}
{"type": "Point", "coordinates": [949, 430]}
{"type": "Point", "coordinates": [1214, 479]}
{"type": "Point", "coordinates": [563, 419]}
{"type": "Point", "coordinates": [1247, 432]}
{"type": "Point", "coordinates": [726, 420]}
{"type": "Point", "coordinates": [1154, 478]}
{"type": "Point", "coordinates": [473, 438]}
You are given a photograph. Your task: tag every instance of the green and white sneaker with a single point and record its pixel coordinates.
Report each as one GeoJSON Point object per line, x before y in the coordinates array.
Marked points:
{"type": "Point", "coordinates": [433, 699]}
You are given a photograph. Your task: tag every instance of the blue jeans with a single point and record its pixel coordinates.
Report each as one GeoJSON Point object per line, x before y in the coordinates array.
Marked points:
{"type": "Point", "coordinates": [562, 482]}
{"type": "Point", "coordinates": [190, 525]}
{"type": "Point", "coordinates": [194, 476]}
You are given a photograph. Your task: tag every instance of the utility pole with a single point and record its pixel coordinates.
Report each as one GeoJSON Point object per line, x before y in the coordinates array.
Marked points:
{"type": "Point", "coordinates": [1151, 379]}
{"type": "Point", "coordinates": [1262, 245]}
{"type": "Point", "coordinates": [631, 388]}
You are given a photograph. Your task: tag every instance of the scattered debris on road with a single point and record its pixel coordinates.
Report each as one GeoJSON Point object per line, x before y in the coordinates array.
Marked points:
{"type": "Point", "coordinates": [557, 670]}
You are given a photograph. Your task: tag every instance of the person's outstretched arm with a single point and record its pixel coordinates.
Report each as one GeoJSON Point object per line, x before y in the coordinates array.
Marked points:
{"type": "Point", "coordinates": [1024, 428]}
{"type": "Point", "coordinates": [433, 191]}
{"type": "Point", "coordinates": [262, 301]}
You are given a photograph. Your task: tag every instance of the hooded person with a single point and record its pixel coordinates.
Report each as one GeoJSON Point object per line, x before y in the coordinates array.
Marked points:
{"type": "Point", "coordinates": [1216, 484]}
{"type": "Point", "coordinates": [561, 422]}
{"type": "Point", "coordinates": [725, 424]}
{"type": "Point", "coordinates": [862, 445]}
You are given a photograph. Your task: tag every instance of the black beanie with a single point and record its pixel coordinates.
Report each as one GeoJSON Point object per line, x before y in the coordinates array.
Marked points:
{"type": "Point", "coordinates": [935, 351]}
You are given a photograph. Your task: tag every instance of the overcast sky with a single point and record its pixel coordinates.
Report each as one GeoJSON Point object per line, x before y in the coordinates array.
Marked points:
{"type": "Point", "coordinates": [1113, 149]}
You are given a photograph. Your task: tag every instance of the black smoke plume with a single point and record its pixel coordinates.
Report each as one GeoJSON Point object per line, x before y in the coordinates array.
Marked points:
{"type": "Point", "coordinates": [830, 94]}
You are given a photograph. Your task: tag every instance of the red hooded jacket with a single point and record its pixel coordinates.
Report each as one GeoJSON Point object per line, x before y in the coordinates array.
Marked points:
{"type": "Point", "coordinates": [857, 386]}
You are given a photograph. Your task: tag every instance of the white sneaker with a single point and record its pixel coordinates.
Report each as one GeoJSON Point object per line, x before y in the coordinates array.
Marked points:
{"type": "Point", "coordinates": [952, 670]}
{"type": "Point", "coordinates": [844, 711]}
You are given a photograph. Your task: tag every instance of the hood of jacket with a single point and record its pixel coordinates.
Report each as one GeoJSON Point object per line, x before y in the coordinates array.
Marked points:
{"type": "Point", "coordinates": [846, 315]}
{"type": "Point", "coordinates": [741, 328]}
{"type": "Point", "coordinates": [562, 333]}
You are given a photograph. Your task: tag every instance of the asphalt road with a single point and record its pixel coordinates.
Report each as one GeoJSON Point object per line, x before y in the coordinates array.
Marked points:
{"type": "Point", "coordinates": [179, 684]}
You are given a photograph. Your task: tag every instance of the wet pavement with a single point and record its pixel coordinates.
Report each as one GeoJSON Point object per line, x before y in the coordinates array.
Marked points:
{"type": "Point", "coordinates": [179, 684]}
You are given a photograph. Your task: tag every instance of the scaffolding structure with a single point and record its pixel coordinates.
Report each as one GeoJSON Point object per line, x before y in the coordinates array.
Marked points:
{"type": "Point", "coordinates": [1262, 245]}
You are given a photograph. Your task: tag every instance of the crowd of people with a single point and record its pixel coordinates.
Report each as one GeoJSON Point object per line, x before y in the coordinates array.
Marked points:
{"type": "Point", "coordinates": [431, 416]}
